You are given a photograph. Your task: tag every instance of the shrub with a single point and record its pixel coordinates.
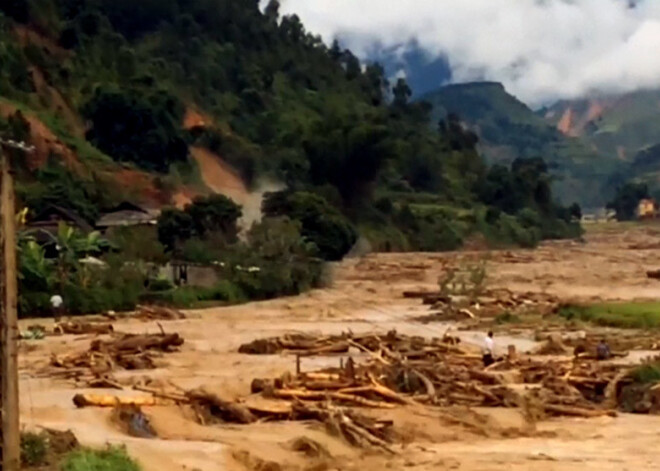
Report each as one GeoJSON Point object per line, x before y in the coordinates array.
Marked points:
{"type": "Point", "coordinates": [34, 449]}
{"type": "Point", "coordinates": [160, 284]}
{"type": "Point", "coordinates": [205, 217]}
{"type": "Point", "coordinates": [110, 459]}
{"type": "Point", "coordinates": [190, 296]}
{"type": "Point", "coordinates": [331, 232]}
{"type": "Point", "coordinates": [275, 261]}
{"type": "Point", "coordinates": [646, 374]}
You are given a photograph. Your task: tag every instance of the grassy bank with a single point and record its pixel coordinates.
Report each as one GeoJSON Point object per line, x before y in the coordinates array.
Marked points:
{"type": "Point", "coordinates": [629, 315]}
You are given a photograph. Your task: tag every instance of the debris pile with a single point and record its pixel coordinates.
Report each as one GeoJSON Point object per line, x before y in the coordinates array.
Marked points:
{"type": "Point", "coordinates": [488, 305]}
{"type": "Point", "coordinates": [129, 352]}
{"type": "Point", "coordinates": [404, 370]}
{"type": "Point", "coordinates": [357, 429]}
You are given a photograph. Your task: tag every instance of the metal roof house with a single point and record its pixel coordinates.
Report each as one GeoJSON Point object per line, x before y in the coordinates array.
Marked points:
{"type": "Point", "coordinates": [127, 214]}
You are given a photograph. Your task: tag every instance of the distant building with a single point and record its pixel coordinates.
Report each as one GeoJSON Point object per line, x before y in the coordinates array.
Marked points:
{"type": "Point", "coordinates": [647, 208]}
{"type": "Point", "coordinates": [127, 214]}
{"type": "Point", "coordinates": [598, 215]}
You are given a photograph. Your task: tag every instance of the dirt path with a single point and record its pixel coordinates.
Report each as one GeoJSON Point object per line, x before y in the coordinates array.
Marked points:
{"type": "Point", "coordinates": [366, 296]}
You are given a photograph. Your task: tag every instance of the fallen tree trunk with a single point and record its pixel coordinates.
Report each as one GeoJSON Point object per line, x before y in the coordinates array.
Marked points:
{"type": "Point", "coordinates": [578, 411]}
{"type": "Point", "coordinates": [338, 347]}
{"type": "Point", "coordinates": [77, 328]}
{"type": "Point", "coordinates": [225, 410]}
{"type": "Point", "coordinates": [138, 343]}
{"type": "Point", "coordinates": [98, 400]}
{"type": "Point", "coordinates": [322, 396]}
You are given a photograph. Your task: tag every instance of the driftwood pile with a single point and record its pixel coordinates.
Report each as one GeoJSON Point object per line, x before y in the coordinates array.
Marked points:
{"type": "Point", "coordinates": [209, 408]}
{"type": "Point", "coordinates": [373, 344]}
{"type": "Point", "coordinates": [487, 305]}
{"type": "Point", "coordinates": [128, 352]}
{"type": "Point", "coordinates": [404, 370]}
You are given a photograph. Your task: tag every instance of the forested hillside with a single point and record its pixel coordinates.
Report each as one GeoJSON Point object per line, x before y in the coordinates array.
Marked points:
{"type": "Point", "coordinates": [509, 129]}
{"type": "Point", "coordinates": [104, 88]}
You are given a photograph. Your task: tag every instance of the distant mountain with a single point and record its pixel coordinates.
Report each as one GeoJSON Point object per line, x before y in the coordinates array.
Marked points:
{"type": "Point", "coordinates": [509, 129]}
{"type": "Point", "coordinates": [625, 127]}
{"type": "Point", "coordinates": [616, 125]}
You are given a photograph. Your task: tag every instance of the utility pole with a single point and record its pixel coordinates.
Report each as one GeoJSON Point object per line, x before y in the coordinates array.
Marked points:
{"type": "Point", "coordinates": [11, 441]}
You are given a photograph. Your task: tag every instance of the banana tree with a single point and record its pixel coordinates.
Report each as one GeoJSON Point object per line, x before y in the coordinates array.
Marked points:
{"type": "Point", "coordinates": [71, 247]}
{"type": "Point", "coordinates": [36, 273]}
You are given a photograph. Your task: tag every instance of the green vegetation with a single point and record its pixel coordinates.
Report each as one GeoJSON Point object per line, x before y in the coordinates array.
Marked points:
{"type": "Point", "coordinates": [276, 102]}
{"type": "Point", "coordinates": [331, 232]}
{"type": "Point", "coordinates": [130, 126]}
{"type": "Point", "coordinates": [34, 449]}
{"type": "Point", "coordinates": [274, 260]}
{"type": "Point", "coordinates": [215, 214]}
{"type": "Point", "coordinates": [647, 373]}
{"type": "Point", "coordinates": [508, 130]}
{"type": "Point", "coordinates": [110, 459]}
{"type": "Point", "coordinates": [128, 87]}
{"type": "Point", "coordinates": [630, 315]}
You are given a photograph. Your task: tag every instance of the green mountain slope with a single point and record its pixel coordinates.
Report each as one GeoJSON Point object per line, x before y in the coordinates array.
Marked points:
{"type": "Point", "coordinates": [618, 125]}
{"type": "Point", "coordinates": [626, 127]}
{"type": "Point", "coordinates": [508, 129]}
{"type": "Point", "coordinates": [118, 92]}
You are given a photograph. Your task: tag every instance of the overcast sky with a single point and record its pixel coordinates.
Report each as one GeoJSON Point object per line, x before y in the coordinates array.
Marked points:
{"type": "Point", "coordinates": [541, 50]}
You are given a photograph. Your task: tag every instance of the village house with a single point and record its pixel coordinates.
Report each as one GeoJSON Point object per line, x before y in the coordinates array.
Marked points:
{"type": "Point", "coordinates": [647, 208]}
{"type": "Point", "coordinates": [127, 214]}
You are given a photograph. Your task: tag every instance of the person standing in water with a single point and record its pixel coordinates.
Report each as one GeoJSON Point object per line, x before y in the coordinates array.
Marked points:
{"type": "Point", "coordinates": [57, 306]}
{"type": "Point", "coordinates": [489, 350]}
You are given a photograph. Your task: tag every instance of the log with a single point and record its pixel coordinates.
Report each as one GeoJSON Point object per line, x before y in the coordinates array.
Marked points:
{"type": "Point", "coordinates": [485, 377]}
{"type": "Point", "coordinates": [367, 436]}
{"type": "Point", "coordinates": [376, 356]}
{"type": "Point", "coordinates": [467, 313]}
{"type": "Point", "coordinates": [83, 328]}
{"type": "Point", "coordinates": [326, 385]}
{"type": "Point", "coordinates": [321, 376]}
{"type": "Point", "coordinates": [430, 389]}
{"type": "Point", "coordinates": [322, 396]}
{"type": "Point", "coordinates": [653, 274]}
{"type": "Point", "coordinates": [104, 383]}
{"type": "Point", "coordinates": [578, 411]}
{"type": "Point", "coordinates": [226, 410]}
{"type": "Point", "coordinates": [422, 294]}
{"type": "Point", "coordinates": [387, 393]}
{"type": "Point", "coordinates": [337, 347]}
{"type": "Point", "coordinates": [487, 394]}
{"type": "Point", "coordinates": [97, 400]}
{"type": "Point", "coordinates": [159, 313]}
{"type": "Point", "coordinates": [180, 398]}
{"type": "Point", "coordinates": [138, 343]}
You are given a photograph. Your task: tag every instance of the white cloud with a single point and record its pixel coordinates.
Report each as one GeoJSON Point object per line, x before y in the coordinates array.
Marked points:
{"type": "Point", "coordinates": [540, 49]}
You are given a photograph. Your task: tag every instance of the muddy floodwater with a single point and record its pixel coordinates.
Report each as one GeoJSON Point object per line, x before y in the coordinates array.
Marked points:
{"type": "Point", "coordinates": [366, 295]}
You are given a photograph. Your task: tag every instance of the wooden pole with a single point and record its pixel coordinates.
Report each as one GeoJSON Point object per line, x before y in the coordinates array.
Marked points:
{"type": "Point", "coordinates": [11, 445]}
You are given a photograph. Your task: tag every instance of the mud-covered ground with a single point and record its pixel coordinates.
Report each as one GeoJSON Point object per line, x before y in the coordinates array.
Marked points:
{"type": "Point", "coordinates": [367, 296]}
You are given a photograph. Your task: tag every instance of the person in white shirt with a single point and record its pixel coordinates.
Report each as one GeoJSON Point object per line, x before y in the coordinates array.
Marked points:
{"type": "Point", "coordinates": [57, 306]}
{"type": "Point", "coordinates": [489, 350]}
